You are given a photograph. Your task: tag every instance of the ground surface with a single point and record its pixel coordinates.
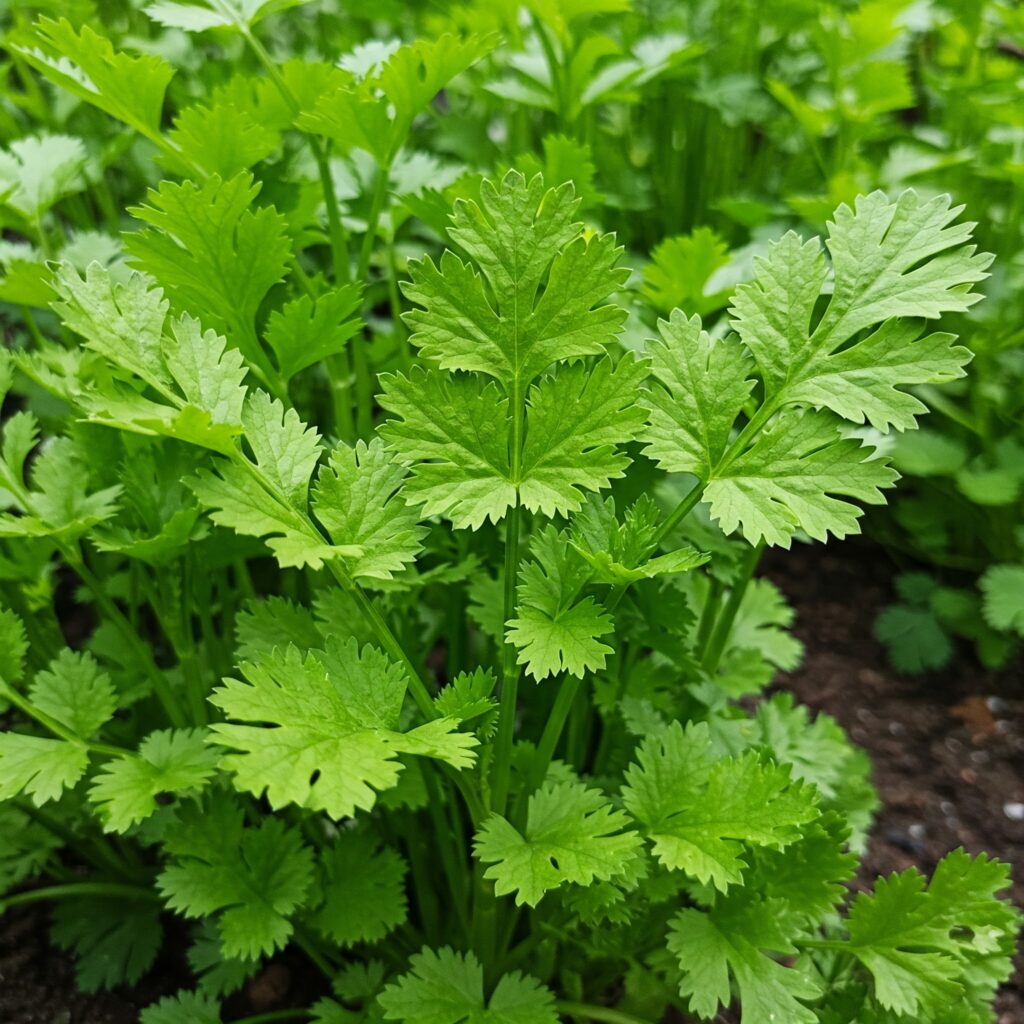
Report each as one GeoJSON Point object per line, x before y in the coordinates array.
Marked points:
{"type": "Point", "coordinates": [948, 753]}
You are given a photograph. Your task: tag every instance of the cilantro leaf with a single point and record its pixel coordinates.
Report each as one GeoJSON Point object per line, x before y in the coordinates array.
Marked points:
{"type": "Point", "coordinates": [38, 171]}
{"type": "Point", "coordinates": [556, 629]}
{"type": "Point", "coordinates": [890, 259]}
{"type": "Point", "coordinates": [115, 941]}
{"type": "Point", "coordinates": [918, 942]}
{"type": "Point", "coordinates": [735, 939]}
{"type": "Point", "coordinates": [252, 879]}
{"type": "Point", "coordinates": [334, 739]}
{"type": "Point", "coordinates": [356, 498]}
{"type": "Point", "coordinates": [305, 330]}
{"type": "Point", "coordinates": [206, 14]}
{"type": "Point", "coordinates": [572, 835]}
{"type": "Point", "coordinates": [364, 890]}
{"type": "Point", "coordinates": [266, 623]}
{"type": "Point", "coordinates": [169, 761]}
{"type": "Point", "coordinates": [195, 1007]}
{"type": "Point", "coordinates": [39, 767]}
{"type": "Point", "coordinates": [1003, 590]}
{"type": "Point", "coordinates": [699, 812]}
{"type": "Point", "coordinates": [210, 251]}
{"type": "Point", "coordinates": [75, 691]}
{"type": "Point", "coordinates": [789, 478]}
{"type": "Point", "coordinates": [25, 847]}
{"type": "Point", "coordinates": [222, 139]}
{"type": "Point", "coordinates": [520, 236]}
{"type": "Point", "coordinates": [445, 987]}
{"type": "Point", "coordinates": [701, 388]}
{"type": "Point", "coordinates": [84, 64]}
{"type": "Point", "coordinates": [681, 268]}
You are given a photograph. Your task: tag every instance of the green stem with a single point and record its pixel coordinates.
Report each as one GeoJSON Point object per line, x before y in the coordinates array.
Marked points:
{"type": "Point", "coordinates": [113, 890]}
{"type": "Point", "coordinates": [723, 626]}
{"type": "Point", "coordinates": [681, 511]}
{"type": "Point", "coordinates": [509, 671]}
{"type": "Point", "coordinates": [454, 872]}
{"type": "Point", "coordinates": [553, 729]}
{"type": "Point", "coordinates": [602, 1014]}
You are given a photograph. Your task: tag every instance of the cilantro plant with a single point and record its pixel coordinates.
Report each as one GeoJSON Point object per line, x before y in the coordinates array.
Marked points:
{"type": "Point", "coordinates": [392, 596]}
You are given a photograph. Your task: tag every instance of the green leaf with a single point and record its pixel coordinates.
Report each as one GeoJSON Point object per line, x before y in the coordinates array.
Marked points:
{"type": "Point", "coordinates": [736, 939]}
{"type": "Point", "coordinates": [212, 253]}
{"type": "Point", "coordinates": [468, 696]}
{"type": "Point", "coordinates": [75, 691]}
{"type": "Point", "coordinates": [556, 629]}
{"type": "Point", "coordinates": [217, 975]}
{"type": "Point", "coordinates": [194, 1007]}
{"type": "Point", "coordinates": [789, 478]}
{"type": "Point", "coordinates": [445, 987]}
{"type": "Point", "coordinates": [520, 237]}
{"type": "Point", "coordinates": [40, 768]}
{"type": "Point", "coordinates": [701, 388]}
{"type": "Point", "coordinates": [1003, 590]}
{"type": "Point", "coordinates": [917, 942]}
{"type": "Point", "coordinates": [364, 890]}
{"type": "Point", "coordinates": [455, 431]}
{"type": "Point", "coordinates": [565, 455]}
{"type": "Point", "coordinates": [252, 879]}
{"type": "Point", "coordinates": [573, 835]}
{"type": "Point", "coordinates": [38, 171]}
{"type": "Point", "coordinates": [305, 331]}
{"type": "Point", "coordinates": [286, 451]}
{"type": "Point", "coordinates": [681, 267]}
{"type": "Point", "coordinates": [13, 647]}
{"type": "Point", "coordinates": [25, 847]}
{"type": "Point", "coordinates": [115, 941]}
{"type": "Point", "coordinates": [889, 259]}
{"type": "Point", "coordinates": [206, 14]}
{"type": "Point", "coordinates": [220, 139]}
{"type": "Point", "coordinates": [265, 623]}
{"type": "Point", "coordinates": [617, 553]}
{"type": "Point", "coordinates": [914, 638]}
{"type": "Point", "coordinates": [335, 738]}
{"type": "Point", "coordinates": [357, 498]}
{"type": "Point", "coordinates": [84, 64]}
{"type": "Point", "coordinates": [413, 75]}
{"type": "Point", "coordinates": [169, 761]}
{"type": "Point", "coordinates": [699, 813]}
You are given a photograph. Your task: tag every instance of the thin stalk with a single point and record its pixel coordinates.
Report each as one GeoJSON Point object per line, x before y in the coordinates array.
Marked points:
{"type": "Point", "coordinates": [454, 872]}
{"type": "Point", "coordinates": [708, 614]}
{"type": "Point", "coordinates": [681, 511]}
{"type": "Point", "coordinates": [57, 728]}
{"type": "Point", "coordinates": [723, 626]}
{"type": "Point", "coordinates": [113, 890]}
{"type": "Point", "coordinates": [553, 729]}
{"type": "Point", "coordinates": [509, 672]}
{"type": "Point", "coordinates": [602, 1014]}
{"type": "Point", "coordinates": [308, 946]}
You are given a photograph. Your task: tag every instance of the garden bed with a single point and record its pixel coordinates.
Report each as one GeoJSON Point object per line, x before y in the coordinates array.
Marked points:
{"type": "Point", "coordinates": [947, 749]}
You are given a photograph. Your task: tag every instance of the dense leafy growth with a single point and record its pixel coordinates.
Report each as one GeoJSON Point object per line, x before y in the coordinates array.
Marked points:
{"type": "Point", "coordinates": [391, 433]}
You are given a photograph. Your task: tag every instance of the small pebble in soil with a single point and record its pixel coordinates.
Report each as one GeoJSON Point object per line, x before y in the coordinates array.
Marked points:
{"type": "Point", "coordinates": [1014, 811]}
{"type": "Point", "coordinates": [917, 831]}
{"type": "Point", "coordinates": [896, 728]}
{"type": "Point", "coordinates": [980, 756]}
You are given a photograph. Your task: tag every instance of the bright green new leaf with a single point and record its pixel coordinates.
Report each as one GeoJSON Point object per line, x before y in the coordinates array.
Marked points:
{"type": "Point", "coordinates": [699, 812]}
{"type": "Point", "coordinates": [85, 64]}
{"type": "Point", "coordinates": [357, 499]}
{"type": "Point", "coordinates": [305, 331]}
{"type": "Point", "coordinates": [556, 629]}
{"type": "Point", "coordinates": [252, 879]}
{"type": "Point", "coordinates": [701, 388]}
{"type": "Point", "coordinates": [40, 768]}
{"type": "Point", "coordinates": [788, 481]}
{"type": "Point", "coordinates": [213, 253]}
{"type": "Point", "coordinates": [890, 259]}
{"type": "Point", "coordinates": [679, 272]}
{"type": "Point", "coordinates": [735, 940]}
{"type": "Point", "coordinates": [520, 237]}
{"type": "Point", "coordinates": [364, 890]}
{"type": "Point", "coordinates": [573, 835]}
{"type": "Point", "coordinates": [75, 691]}
{"type": "Point", "coordinates": [220, 139]}
{"type": "Point", "coordinates": [335, 738]}
{"type": "Point", "coordinates": [169, 761]}
{"type": "Point", "coordinates": [445, 987]}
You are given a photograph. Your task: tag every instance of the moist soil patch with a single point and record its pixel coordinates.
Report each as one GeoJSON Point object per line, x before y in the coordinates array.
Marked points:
{"type": "Point", "coordinates": [947, 748]}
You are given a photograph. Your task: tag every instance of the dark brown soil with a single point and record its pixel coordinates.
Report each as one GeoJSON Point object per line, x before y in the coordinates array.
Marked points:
{"type": "Point", "coordinates": [948, 751]}
{"type": "Point", "coordinates": [947, 748]}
